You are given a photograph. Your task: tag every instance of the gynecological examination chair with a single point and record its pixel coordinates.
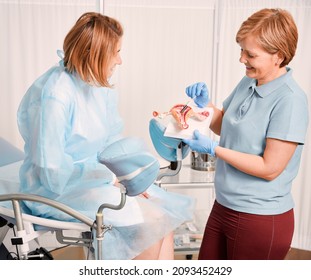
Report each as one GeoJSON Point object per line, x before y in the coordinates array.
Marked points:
{"type": "Point", "coordinates": [134, 179]}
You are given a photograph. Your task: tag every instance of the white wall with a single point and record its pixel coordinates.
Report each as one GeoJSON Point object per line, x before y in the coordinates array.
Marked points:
{"type": "Point", "coordinates": [166, 46]}
{"type": "Point", "coordinates": [32, 31]}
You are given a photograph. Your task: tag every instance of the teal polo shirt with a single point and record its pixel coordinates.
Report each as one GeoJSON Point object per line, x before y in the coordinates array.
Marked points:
{"type": "Point", "coordinates": [278, 109]}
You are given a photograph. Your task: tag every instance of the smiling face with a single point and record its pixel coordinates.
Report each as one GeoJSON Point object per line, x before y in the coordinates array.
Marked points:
{"type": "Point", "coordinates": [260, 65]}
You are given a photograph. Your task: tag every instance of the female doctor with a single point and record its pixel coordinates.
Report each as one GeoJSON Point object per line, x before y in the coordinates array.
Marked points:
{"type": "Point", "coordinates": [262, 129]}
{"type": "Point", "coordinates": [69, 115]}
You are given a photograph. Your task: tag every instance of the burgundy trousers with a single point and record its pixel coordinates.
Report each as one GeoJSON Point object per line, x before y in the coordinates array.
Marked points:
{"type": "Point", "coordinates": [232, 235]}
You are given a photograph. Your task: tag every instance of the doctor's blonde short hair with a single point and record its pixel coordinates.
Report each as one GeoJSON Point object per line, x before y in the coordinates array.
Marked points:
{"type": "Point", "coordinates": [275, 31]}
{"type": "Point", "coordinates": [90, 45]}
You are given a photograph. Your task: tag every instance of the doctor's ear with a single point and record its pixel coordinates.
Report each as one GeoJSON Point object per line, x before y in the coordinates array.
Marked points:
{"type": "Point", "coordinates": [279, 58]}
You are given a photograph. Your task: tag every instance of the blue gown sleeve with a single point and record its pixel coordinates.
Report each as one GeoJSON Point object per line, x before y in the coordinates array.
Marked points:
{"type": "Point", "coordinates": [53, 164]}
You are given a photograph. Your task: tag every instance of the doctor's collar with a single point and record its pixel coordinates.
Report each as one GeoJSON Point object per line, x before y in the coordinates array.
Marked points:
{"type": "Point", "coordinates": [266, 89]}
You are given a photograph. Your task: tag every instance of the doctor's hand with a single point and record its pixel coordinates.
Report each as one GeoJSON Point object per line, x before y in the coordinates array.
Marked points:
{"type": "Point", "coordinates": [201, 144]}
{"type": "Point", "coordinates": [199, 93]}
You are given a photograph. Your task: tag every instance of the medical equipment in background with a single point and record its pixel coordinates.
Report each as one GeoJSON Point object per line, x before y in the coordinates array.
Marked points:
{"type": "Point", "coordinates": [205, 163]}
{"type": "Point", "coordinates": [202, 162]}
{"type": "Point", "coordinates": [136, 170]}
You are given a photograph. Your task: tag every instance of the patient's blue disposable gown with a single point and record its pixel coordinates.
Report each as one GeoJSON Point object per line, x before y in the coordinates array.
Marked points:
{"type": "Point", "coordinates": [65, 122]}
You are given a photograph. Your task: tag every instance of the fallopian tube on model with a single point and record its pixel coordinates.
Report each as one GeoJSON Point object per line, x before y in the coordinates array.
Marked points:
{"type": "Point", "coordinates": [182, 114]}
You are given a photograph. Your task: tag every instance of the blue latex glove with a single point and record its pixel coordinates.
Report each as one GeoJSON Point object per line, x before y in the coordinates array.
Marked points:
{"type": "Point", "coordinates": [201, 144]}
{"type": "Point", "coordinates": [199, 93]}
{"type": "Point", "coordinates": [166, 146]}
{"type": "Point", "coordinates": [129, 159]}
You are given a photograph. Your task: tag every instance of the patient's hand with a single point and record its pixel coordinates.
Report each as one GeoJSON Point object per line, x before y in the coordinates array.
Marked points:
{"type": "Point", "coordinates": [116, 183]}
{"type": "Point", "coordinates": [144, 195]}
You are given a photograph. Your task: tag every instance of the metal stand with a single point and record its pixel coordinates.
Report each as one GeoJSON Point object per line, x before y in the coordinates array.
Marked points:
{"type": "Point", "coordinates": [101, 228]}
{"type": "Point", "coordinates": [170, 171]}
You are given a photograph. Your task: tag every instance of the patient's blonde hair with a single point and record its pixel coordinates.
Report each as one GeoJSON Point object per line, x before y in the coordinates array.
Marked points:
{"type": "Point", "coordinates": [90, 45]}
{"type": "Point", "coordinates": [275, 31]}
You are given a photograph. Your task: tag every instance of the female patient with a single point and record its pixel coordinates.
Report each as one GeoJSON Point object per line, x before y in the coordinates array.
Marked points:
{"type": "Point", "coordinates": [70, 114]}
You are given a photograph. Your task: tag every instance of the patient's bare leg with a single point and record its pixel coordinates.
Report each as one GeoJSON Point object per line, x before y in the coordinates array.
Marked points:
{"type": "Point", "coordinates": [152, 253]}
{"type": "Point", "coordinates": [162, 250]}
{"type": "Point", "coordinates": [167, 248]}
